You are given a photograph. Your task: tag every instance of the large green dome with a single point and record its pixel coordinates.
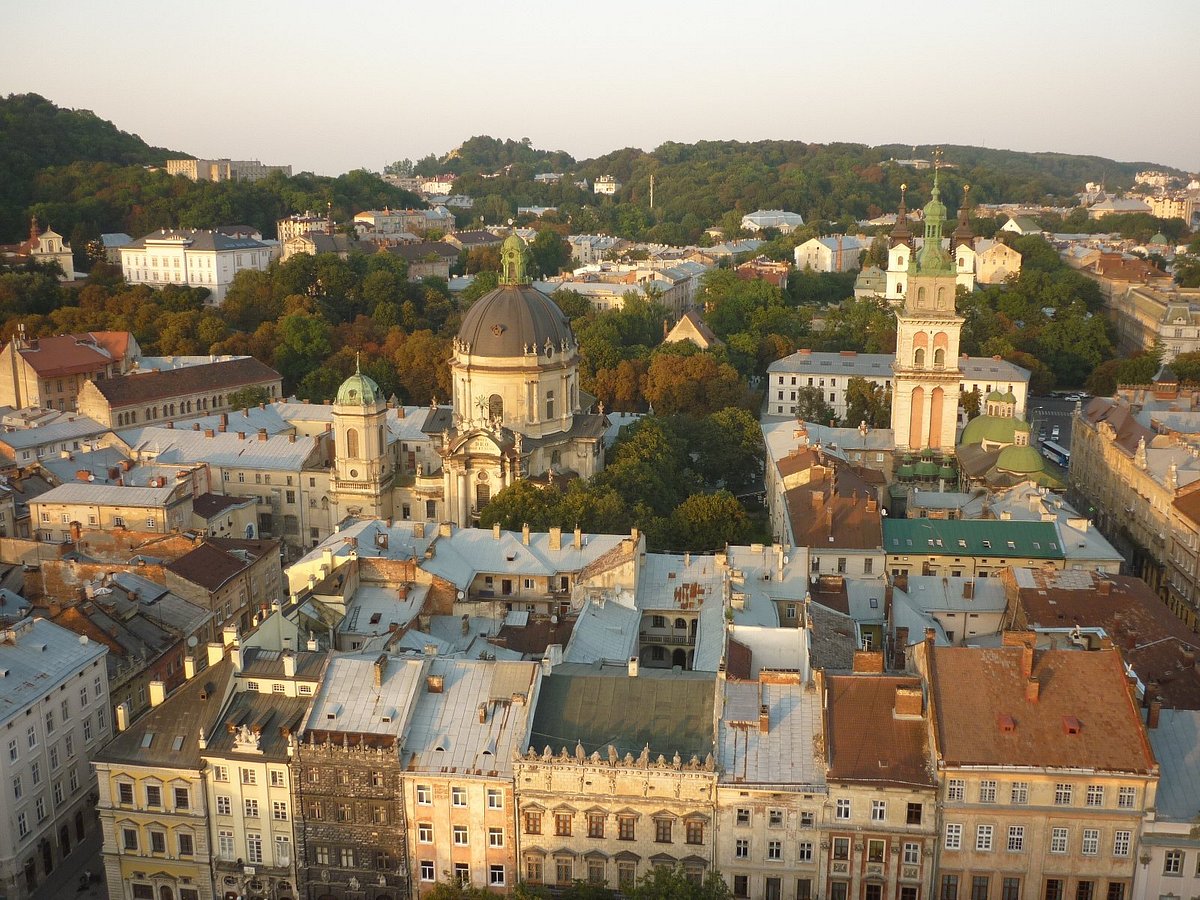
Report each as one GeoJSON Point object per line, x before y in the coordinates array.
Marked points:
{"type": "Point", "coordinates": [993, 429]}
{"type": "Point", "coordinates": [1020, 460]}
{"type": "Point", "coordinates": [358, 390]}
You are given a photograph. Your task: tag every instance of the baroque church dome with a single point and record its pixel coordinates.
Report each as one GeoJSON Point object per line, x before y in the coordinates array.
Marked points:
{"type": "Point", "coordinates": [514, 316]}
{"type": "Point", "coordinates": [358, 390]}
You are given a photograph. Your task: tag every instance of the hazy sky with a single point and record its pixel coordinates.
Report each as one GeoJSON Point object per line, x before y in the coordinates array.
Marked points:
{"type": "Point", "coordinates": [333, 86]}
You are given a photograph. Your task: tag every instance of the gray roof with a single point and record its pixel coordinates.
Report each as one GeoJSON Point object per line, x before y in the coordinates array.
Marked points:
{"type": "Point", "coordinates": [879, 365]}
{"type": "Point", "coordinates": [62, 430]}
{"type": "Point", "coordinates": [674, 711]}
{"type": "Point", "coordinates": [445, 730]}
{"type": "Point", "coordinates": [95, 493]}
{"type": "Point", "coordinates": [197, 239]}
{"type": "Point", "coordinates": [273, 716]}
{"type": "Point", "coordinates": [351, 702]}
{"type": "Point", "coordinates": [931, 593]}
{"type": "Point", "coordinates": [168, 734]}
{"type": "Point", "coordinates": [787, 752]}
{"type": "Point", "coordinates": [176, 445]}
{"type": "Point", "coordinates": [115, 239]}
{"type": "Point", "coordinates": [505, 321]}
{"type": "Point", "coordinates": [35, 656]}
{"type": "Point", "coordinates": [1176, 743]}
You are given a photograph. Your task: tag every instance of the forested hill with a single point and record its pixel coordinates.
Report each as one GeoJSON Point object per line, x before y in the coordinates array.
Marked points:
{"type": "Point", "coordinates": [715, 182]}
{"type": "Point", "coordinates": [36, 134]}
{"type": "Point", "coordinates": [82, 176]}
{"type": "Point", "coordinates": [483, 154]}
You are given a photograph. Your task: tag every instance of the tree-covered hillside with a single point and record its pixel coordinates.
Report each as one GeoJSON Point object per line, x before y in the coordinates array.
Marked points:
{"type": "Point", "coordinates": [82, 176]}
{"type": "Point", "coordinates": [483, 154]}
{"type": "Point", "coordinates": [36, 134]}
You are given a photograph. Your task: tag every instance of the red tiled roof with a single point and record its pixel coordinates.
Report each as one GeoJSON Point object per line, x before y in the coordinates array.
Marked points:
{"type": "Point", "coordinates": [975, 687]}
{"type": "Point", "coordinates": [835, 508]}
{"type": "Point", "coordinates": [151, 386]}
{"type": "Point", "coordinates": [1159, 646]}
{"type": "Point", "coordinates": [72, 354]}
{"type": "Point", "coordinates": [867, 742]}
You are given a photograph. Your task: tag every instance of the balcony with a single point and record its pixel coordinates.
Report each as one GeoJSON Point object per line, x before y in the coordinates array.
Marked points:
{"type": "Point", "coordinates": [674, 639]}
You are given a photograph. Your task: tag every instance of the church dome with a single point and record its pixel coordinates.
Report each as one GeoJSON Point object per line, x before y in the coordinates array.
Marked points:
{"type": "Point", "coordinates": [505, 321]}
{"type": "Point", "coordinates": [1020, 460]}
{"type": "Point", "coordinates": [516, 315]}
{"type": "Point", "coordinates": [993, 429]}
{"type": "Point", "coordinates": [358, 390]}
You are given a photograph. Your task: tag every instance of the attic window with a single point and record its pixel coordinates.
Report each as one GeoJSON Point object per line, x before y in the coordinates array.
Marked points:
{"type": "Point", "coordinates": [147, 740]}
{"type": "Point", "coordinates": [931, 542]}
{"type": "Point", "coordinates": [1071, 725]}
{"type": "Point", "coordinates": [1006, 723]}
{"type": "Point", "coordinates": [375, 617]}
{"type": "Point", "coordinates": [962, 543]}
{"type": "Point", "coordinates": [1053, 546]}
{"type": "Point", "coordinates": [987, 544]}
{"type": "Point", "coordinates": [1012, 545]}
{"type": "Point", "coordinates": [177, 744]}
{"type": "Point", "coordinates": [1037, 545]}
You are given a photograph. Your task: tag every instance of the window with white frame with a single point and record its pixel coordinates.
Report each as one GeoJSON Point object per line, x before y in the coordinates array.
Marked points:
{"type": "Point", "coordinates": [983, 837]}
{"type": "Point", "coordinates": [1121, 841]}
{"type": "Point", "coordinates": [1095, 795]}
{"type": "Point", "coordinates": [460, 835]}
{"type": "Point", "coordinates": [987, 791]}
{"type": "Point", "coordinates": [953, 839]}
{"type": "Point", "coordinates": [1125, 797]}
{"type": "Point", "coordinates": [1019, 795]}
{"type": "Point", "coordinates": [1058, 840]}
{"type": "Point", "coordinates": [424, 795]}
{"type": "Point", "coordinates": [458, 796]}
{"type": "Point", "coordinates": [878, 810]}
{"type": "Point", "coordinates": [495, 837]}
{"type": "Point", "coordinates": [956, 789]}
{"type": "Point", "coordinates": [1062, 794]}
{"type": "Point", "coordinates": [843, 809]}
{"type": "Point", "coordinates": [1091, 841]}
{"type": "Point", "coordinates": [1016, 838]}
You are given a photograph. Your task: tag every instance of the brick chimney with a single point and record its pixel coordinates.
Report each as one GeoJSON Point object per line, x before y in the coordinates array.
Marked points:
{"type": "Point", "coordinates": [1032, 689]}
{"type": "Point", "coordinates": [764, 718]}
{"type": "Point", "coordinates": [525, 534]}
{"type": "Point", "coordinates": [910, 703]}
{"type": "Point", "coordinates": [868, 661]}
{"type": "Point", "coordinates": [381, 664]}
{"type": "Point", "coordinates": [969, 589]}
{"type": "Point", "coordinates": [1154, 712]}
{"type": "Point", "coordinates": [555, 537]}
{"type": "Point", "coordinates": [900, 648]}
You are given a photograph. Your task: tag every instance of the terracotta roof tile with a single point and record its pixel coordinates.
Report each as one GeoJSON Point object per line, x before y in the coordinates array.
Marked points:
{"type": "Point", "coordinates": [151, 386]}
{"type": "Point", "coordinates": [867, 742]}
{"type": "Point", "coordinates": [974, 687]}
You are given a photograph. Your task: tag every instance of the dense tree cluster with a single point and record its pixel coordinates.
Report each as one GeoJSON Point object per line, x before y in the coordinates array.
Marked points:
{"type": "Point", "coordinates": [676, 478]}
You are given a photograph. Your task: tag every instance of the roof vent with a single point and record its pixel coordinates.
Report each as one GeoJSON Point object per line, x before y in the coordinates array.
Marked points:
{"type": "Point", "coordinates": [1006, 723]}
{"type": "Point", "coordinates": [1071, 725]}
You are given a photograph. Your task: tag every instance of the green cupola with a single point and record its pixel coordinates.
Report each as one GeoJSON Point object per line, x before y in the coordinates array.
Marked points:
{"type": "Point", "coordinates": [512, 260]}
{"type": "Point", "coordinates": [932, 259]}
{"type": "Point", "coordinates": [358, 390]}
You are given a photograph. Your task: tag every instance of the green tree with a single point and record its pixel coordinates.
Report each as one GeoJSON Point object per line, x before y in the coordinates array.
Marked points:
{"type": "Point", "coordinates": [696, 384]}
{"type": "Point", "coordinates": [456, 890]}
{"type": "Point", "coordinates": [730, 450]}
{"type": "Point", "coordinates": [662, 883]}
{"type": "Point", "coordinates": [811, 406]}
{"type": "Point", "coordinates": [247, 397]}
{"type": "Point", "coordinates": [971, 402]}
{"type": "Point", "coordinates": [867, 402]}
{"type": "Point", "coordinates": [709, 522]}
{"type": "Point", "coordinates": [522, 503]}
{"type": "Point", "coordinates": [549, 254]}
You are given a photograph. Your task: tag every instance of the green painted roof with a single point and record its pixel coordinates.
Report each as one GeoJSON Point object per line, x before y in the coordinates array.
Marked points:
{"type": "Point", "coordinates": [972, 537]}
{"type": "Point", "coordinates": [905, 471]}
{"type": "Point", "coordinates": [672, 712]}
{"type": "Point", "coordinates": [995, 396]}
{"type": "Point", "coordinates": [358, 390]}
{"type": "Point", "coordinates": [1020, 460]}
{"type": "Point", "coordinates": [947, 471]}
{"type": "Point", "coordinates": [927, 467]}
{"type": "Point", "coordinates": [1159, 238]}
{"type": "Point", "coordinates": [995, 429]}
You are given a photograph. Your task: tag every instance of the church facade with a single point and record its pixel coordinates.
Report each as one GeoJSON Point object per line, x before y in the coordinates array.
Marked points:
{"type": "Point", "coordinates": [517, 411]}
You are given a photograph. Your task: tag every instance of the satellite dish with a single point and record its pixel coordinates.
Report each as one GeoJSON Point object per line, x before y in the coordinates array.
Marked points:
{"type": "Point", "coordinates": [461, 595]}
{"type": "Point", "coordinates": [192, 642]}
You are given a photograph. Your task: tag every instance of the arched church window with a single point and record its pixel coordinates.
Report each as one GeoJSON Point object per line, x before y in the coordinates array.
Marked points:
{"type": "Point", "coordinates": [919, 357]}
{"type": "Point", "coordinates": [920, 294]}
{"type": "Point", "coordinates": [900, 287]}
{"type": "Point", "coordinates": [549, 404]}
{"type": "Point", "coordinates": [555, 457]}
{"type": "Point", "coordinates": [352, 442]}
{"type": "Point", "coordinates": [941, 298]}
{"type": "Point", "coordinates": [495, 407]}
{"type": "Point", "coordinates": [483, 494]}
{"type": "Point", "coordinates": [939, 358]}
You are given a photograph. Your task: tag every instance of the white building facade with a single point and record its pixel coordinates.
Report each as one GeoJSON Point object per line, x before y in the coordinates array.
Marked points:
{"type": "Point", "coordinates": [192, 258]}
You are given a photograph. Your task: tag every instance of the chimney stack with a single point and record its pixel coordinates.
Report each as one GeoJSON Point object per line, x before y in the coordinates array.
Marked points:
{"type": "Point", "coordinates": [1154, 713]}
{"type": "Point", "coordinates": [158, 692]}
{"type": "Point", "coordinates": [215, 653]}
{"type": "Point", "coordinates": [123, 716]}
{"type": "Point", "coordinates": [764, 718]}
{"type": "Point", "coordinates": [555, 537]}
{"type": "Point", "coordinates": [434, 684]}
{"type": "Point", "coordinates": [189, 667]}
{"type": "Point", "coordinates": [1027, 659]}
{"type": "Point", "coordinates": [910, 703]}
{"type": "Point", "coordinates": [969, 589]}
{"type": "Point", "coordinates": [1032, 689]}
{"type": "Point", "coordinates": [495, 531]}
{"type": "Point", "coordinates": [381, 664]}
{"type": "Point", "coordinates": [633, 667]}
{"type": "Point", "coordinates": [525, 534]}
{"type": "Point", "coordinates": [578, 538]}
{"type": "Point", "coordinates": [289, 663]}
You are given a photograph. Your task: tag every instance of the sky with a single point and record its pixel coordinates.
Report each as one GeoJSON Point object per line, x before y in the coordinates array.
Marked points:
{"type": "Point", "coordinates": [329, 87]}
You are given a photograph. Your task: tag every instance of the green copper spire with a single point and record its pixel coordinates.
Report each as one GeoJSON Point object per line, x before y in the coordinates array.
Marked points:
{"type": "Point", "coordinates": [512, 260]}
{"type": "Point", "coordinates": [931, 259]}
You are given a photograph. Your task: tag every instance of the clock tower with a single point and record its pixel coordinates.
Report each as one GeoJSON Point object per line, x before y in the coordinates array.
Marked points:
{"type": "Point", "coordinates": [926, 376]}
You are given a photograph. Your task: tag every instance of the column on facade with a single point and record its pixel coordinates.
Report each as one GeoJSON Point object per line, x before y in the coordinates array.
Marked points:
{"type": "Point", "coordinates": [463, 502]}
